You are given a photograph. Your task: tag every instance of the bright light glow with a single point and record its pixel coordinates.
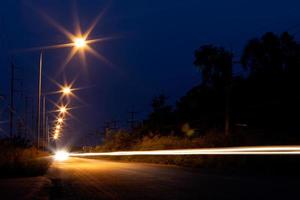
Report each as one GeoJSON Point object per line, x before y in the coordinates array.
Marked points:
{"type": "Point", "coordinates": [60, 120]}
{"type": "Point", "coordinates": [58, 127]}
{"type": "Point", "coordinates": [79, 42]}
{"type": "Point", "coordinates": [254, 150]}
{"type": "Point", "coordinates": [62, 109]}
{"type": "Point", "coordinates": [61, 155]}
{"type": "Point", "coordinates": [55, 136]}
{"type": "Point", "coordinates": [56, 131]}
{"type": "Point", "coordinates": [66, 90]}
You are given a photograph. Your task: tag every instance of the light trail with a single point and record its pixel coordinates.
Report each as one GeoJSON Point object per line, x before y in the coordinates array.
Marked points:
{"type": "Point", "coordinates": [254, 150]}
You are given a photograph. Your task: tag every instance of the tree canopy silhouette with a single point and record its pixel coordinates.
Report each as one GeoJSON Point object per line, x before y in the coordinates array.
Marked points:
{"type": "Point", "coordinates": [272, 55]}
{"type": "Point", "coordinates": [215, 64]}
{"type": "Point", "coordinates": [263, 99]}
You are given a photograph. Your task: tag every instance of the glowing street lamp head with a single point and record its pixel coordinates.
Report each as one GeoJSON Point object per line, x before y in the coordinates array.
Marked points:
{"type": "Point", "coordinates": [55, 136]}
{"type": "Point", "coordinates": [66, 90]}
{"type": "Point", "coordinates": [62, 109]}
{"type": "Point", "coordinates": [60, 120]}
{"type": "Point", "coordinates": [79, 42]}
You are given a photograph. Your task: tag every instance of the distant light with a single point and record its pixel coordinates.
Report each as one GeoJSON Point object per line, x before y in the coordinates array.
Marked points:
{"type": "Point", "coordinates": [60, 120]}
{"type": "Point", "coordinates": [55, 137]}
{"type": "Point", "coordinates": [79, 42]}
{"type": "Point", "coordinates": [62, 109]}
{"type": "Point", "coordinates": [58, 127]}
{"type": "Point", "coordinates": [56, 131]}
{"type": "Point", "coordinates": [61, 155]}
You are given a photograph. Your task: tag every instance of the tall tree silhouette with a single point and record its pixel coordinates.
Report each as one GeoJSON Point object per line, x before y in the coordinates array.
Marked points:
{"type": "Point", "coordinates": [271, 55]}
{"type": "Point", "coordinates": [161, 116]}
{"type": "Point", "coordinates": [215, 64]}
{"type": "Point", "coordinates": [273, 62]}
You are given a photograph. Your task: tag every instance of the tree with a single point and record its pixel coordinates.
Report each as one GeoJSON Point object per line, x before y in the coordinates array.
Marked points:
{"type": "Point", "coordinates": [162, 117]}
{"type": "Point", "coordinates": [215, 64]}
{"type": "Point", "coordinates": [273, 63]}
{"type": "Point", "coordinates": [271, 55]}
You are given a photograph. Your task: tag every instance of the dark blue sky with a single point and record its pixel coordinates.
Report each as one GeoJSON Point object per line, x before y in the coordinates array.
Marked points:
{"type": "Point", "coordinates": [153, 55]}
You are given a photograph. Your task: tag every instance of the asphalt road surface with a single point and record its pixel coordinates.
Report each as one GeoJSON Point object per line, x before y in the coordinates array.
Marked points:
{"type": "Point", "coordinates": [80, 178]}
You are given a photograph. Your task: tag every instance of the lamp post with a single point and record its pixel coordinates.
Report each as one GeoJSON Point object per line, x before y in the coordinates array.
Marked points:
{"type": "Point", "coordinates": [38, 122]}
{"type": "Point", "coordinates": [66, 91]}
{"type": "Point", "coordinates": [79, 43]}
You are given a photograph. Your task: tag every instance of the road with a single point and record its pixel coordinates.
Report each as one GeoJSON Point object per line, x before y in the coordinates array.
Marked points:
{"type": "Point", "coordinates": [24, 188]}
{"type": "Point", "coordinates": [80, 178]}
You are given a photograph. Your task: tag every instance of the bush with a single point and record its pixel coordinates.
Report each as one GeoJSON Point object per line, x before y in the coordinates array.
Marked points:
{"type": "Point", "coordinates": [119, 140]}
{"type": "Point", "coordinates": [17, 160]}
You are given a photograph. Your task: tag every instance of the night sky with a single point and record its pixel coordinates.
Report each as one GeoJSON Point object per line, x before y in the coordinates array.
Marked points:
{"type": "Point", "coordinates": [152, 52]}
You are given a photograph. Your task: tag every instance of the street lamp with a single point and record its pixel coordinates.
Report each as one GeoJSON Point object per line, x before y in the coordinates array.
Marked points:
{"type": "Point", "coordinates": [63, 109]}
{"type": "Point", "coordinates": [60, 120]}
{"type": "Point", "coordinates": [66, 90]}
{"type": "Point", "coordinates": [55, 136]}
{"type": "Point", "coordinates": [79, 42]}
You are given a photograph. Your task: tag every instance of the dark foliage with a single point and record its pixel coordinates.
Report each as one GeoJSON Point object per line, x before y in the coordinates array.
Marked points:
{"type": "Point", "coordinates": [260, 108]}
{"type": "Point", "coordinates": [162, 118]}
{"type": "Point", "coordinates": [215, 64]}
{"type": "Point", "coordinates": [266, 100]}
{"type": "Point", "coordinates": [18, 159]}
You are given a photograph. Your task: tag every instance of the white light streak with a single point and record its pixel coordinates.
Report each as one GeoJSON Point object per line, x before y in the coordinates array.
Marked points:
{"type": "Point", "coordinates": [254, 150]}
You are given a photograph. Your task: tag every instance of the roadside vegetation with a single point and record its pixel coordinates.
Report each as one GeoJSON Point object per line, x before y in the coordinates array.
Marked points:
{"type": "Point", "coordinates": [18, 159]}
{"type": "Point", "coordinates": [241, 101]}
{"type": "Point", "coordinates": [279, 165]}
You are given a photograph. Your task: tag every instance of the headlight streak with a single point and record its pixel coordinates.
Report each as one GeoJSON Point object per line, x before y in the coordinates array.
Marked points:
{"type": "Point", "coordinates": [255, 150]}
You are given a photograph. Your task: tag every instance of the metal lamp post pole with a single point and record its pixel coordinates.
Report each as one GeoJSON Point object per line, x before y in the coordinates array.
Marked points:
{"type": "Point", "coordinates": [44, 122]}
{"type": "Point", "coordinates": [38, 121]}
{"type": "Point", "coordinates": [47, 130]}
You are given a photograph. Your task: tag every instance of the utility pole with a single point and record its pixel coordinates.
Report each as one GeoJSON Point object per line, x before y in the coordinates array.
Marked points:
{"type": "Point", "coordinates": [228, 91]}
{"type": "Point", "coordinates": [114, 124]}
{"type": "Point", "coordinates": [38, 117]}
{"type": "Point", "coordinates": [26, 116]}
{"type": "Point", "coordinates": [32, 119]}
{"type": "Point", "coordinates": [132, 121]}
{"type": "Point", "coordinates": [106, 126]}
{"type": "Point", "coordinates": [47, 131]}
{"type": "Point", "coordinates": [11, 104]}
{"type": "Point", "coordinates": [1, 98]}
{"type": "Point", "coordinates": [22, 124]}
